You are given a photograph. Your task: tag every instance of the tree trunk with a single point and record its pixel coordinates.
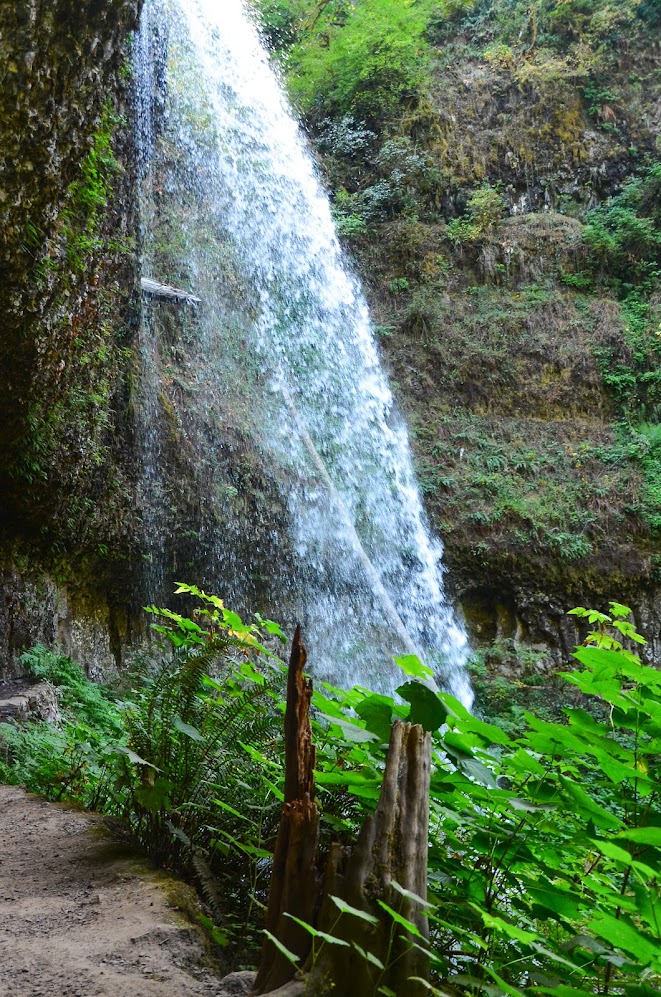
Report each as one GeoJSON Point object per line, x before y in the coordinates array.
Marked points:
{"type": "Point", "coordinates": [392, 845]}
{"type": "Point", "coordinates": [294, 878]}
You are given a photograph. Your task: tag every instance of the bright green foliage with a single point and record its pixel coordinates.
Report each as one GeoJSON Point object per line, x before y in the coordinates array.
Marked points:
{"type": "Point", "coordinates": [545, 840]}
{"type": "Point", "coordinates": [200, 786]}
{"type": "Point", "coordinates": [624, 234]}
{"type": "Point", "coordinates": [68, 760]}
{"type": "Point", "coordinates": [486, 206]}
{"type": "Point", "coordinates": [536, 32]}
{"type": "Point", "coordinates": [546, 847]}
{"type": "Point", "coordinates": [624, 239]}
{"type": "Point", "coordinates": [89, 195]}
{"type": "Point", "coordinates": [366, 59]}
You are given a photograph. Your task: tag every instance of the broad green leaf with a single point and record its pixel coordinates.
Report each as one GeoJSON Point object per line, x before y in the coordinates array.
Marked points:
{"type": "Point", "coordinates": [520, 804]}
{"type": "Point", "coordinates": [272, 628]}
{"type": "Point", "coordinates": [504, 927]}
{"type": "Point", "coordinates": [524, 761]}
{"type": "Point", "coordinates": [560, 990]}
{"type": "Point", "coordinates": [488, 732]}
{"type": "Point", "coordinates": [648, 905]}
{"type": "Point", "coordinates": [561, 734]}
{"type": "Point", "coordinates": [187, 729]}
{"type": "Point", "coordinates": [304, 924]}
{"type": "Point", "coordinates": [291, 956]}
{"type": "Point", "coordinates": [598, 658]}
{"type": "Point", "coordinates": [628, 630]}
{"type": "Point", "coordinates": [411, 665]}
{"type": "Point", "coordinates": [434, 991]}
{"type": "Point", "coordinates": [453, 707]}
{"type": "Point", "coordinates": [351, 731]}
{"type": "Point", "coordinates": [332, 939]}
{"type": "Point", "coordinates": [346, 778]}
{"type": "Point", "coordinates": [556, 901]}
{"type": "Point", "coordinates": [600, 816]}
{"type": "Point", "coordinates": [409, 895]}
{"type": "Point", "coordinates": [612, 851]}
{"type": "Point", "coordinates": [354, 911]}
{"type": "Point", "coordinates": [457, 929]}
{"type": "Point", "coordinates": [367, 787]}
{"type": "Point", "coordinates": [231, 810]}
{"type": "Point", "coordinates": [277, 792]}
{"type": "Point", "coordinates": [368, 956]}
{"type": "Point", "coordinates": [506, 987]}
{"type": "Point", "coordinates": [421, 948]}
{"type": "Point", "coordinates": [463, 742]}
{"type": "Point", "coordinates": [426, 708]}
{"type": "Point", "coordinates": [553, 956]}
{"type": "Point", "coordinates": [581, 718]}
{"type": "Point", "coordinates": [120, 749]}
{"type": "Point", "coordinates": [182, 588]}
{"type": "Point", "coordinates": [624, 936]}
{"type": "Point", "coordinates": [618, 610]}
{"type": "Point", "coordinates": [155, 797]}
{"type": "Point", "coordinates": [376, 711]}
{"type": "Point", "coordinates": [258, 853]}
{"type": "Point", "coordinates": [643, 835]}
{"type": "Point", "coordinates": [258, 756]}
{"type": "Point", "coordinates": [474, 769]}
{"type": "Point", "coordinates": [326, 706]}
{"type": "Point", "coordinates": [405, 923]}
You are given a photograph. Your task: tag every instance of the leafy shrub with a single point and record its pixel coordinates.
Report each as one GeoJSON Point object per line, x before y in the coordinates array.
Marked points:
{"type": "Point", "coordinates": [78, 697]}
{"type": "Point", "coordinates": [367, 63]}
{"type": "Point", "coordinates": [545, 845]}
{"type": "Point", "coordinates": [484, 209]}
{"type": "Point", "coordinates": [71, 759]}
{"type": "Point", "coordinates": [545, 839]}
{"type": "Point", "coordinates": [624, 234]}
{"type": "Point", "coordinates": [279, 21]}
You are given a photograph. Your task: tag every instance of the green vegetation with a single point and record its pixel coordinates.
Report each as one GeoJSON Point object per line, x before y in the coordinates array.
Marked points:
{"type": "Point", "coordinates": [624, 234]}
{"type": "Point", "coordinates": [545, 832]}
{"type": "Point", "coordinates": [510, 329]}
{"type": "Point", "coordinates": [68, 760]}
{"type": "Point", "coordinates": [366, 59]}
{"type": "Point", "coordinates": [484, 208]}
{"type": "Point", "coordinates": [79, 359]}
{"type": "Point", "coordinates": [89, 195]}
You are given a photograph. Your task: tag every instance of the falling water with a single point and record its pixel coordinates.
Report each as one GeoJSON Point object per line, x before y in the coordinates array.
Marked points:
{"type": "Point", "coordinates": [296, 349]}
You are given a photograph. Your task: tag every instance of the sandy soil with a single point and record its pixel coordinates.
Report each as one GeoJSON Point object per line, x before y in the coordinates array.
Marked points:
{"type": "Point", "coordinates": [81, 916]}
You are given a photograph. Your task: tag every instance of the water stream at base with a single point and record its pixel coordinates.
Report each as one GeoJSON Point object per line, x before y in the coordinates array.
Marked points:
{"type": "Point", "coordinates": [299, 354]}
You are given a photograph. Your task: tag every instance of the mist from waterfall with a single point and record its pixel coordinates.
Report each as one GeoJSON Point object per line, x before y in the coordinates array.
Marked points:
{"type": "Point", "coordinates": [283, 342]}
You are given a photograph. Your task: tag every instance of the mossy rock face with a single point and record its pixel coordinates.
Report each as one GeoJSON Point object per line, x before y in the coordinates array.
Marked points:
{"type": "Point", "coordinates": [68, 298]}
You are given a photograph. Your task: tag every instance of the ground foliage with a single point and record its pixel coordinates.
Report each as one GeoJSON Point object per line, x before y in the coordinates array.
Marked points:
{"type": "Point", "coordinates": [545, 835]}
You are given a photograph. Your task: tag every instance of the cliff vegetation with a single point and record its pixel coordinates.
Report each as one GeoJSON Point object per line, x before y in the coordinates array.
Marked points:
{"type": "Point", "coordinates": [495, 174]}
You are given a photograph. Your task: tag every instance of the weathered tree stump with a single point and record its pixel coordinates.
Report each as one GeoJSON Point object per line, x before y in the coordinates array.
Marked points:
{"type": "Point", "coordinates": [392, 845]}
{"type": "Point", "coordinates": [294, 878]}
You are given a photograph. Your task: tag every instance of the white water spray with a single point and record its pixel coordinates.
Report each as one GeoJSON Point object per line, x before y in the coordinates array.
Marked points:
{"type": "Point", "coordinates": [367, 580]}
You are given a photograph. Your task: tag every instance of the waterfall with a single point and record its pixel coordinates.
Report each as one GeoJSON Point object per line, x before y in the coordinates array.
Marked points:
{"type": "Point", "coordinates": [283, 343]}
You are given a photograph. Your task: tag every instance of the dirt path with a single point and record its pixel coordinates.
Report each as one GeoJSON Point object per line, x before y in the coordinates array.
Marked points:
{"type": "Point", "coordinates": [83, 917]}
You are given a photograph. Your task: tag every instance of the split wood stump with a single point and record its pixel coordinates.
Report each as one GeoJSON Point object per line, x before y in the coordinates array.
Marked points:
{"type": "Point", "coordinates": [392, 845]}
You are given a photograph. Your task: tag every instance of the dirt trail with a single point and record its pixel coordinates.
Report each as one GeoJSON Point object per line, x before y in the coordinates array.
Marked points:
{"type": "Point", "coordinates": [82, 917]}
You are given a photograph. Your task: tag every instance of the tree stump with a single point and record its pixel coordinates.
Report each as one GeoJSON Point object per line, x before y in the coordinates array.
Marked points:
{"type": "Point", "coordinates": [392, 845]}
{"type": "Point", "coordinates": [294, 879]}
